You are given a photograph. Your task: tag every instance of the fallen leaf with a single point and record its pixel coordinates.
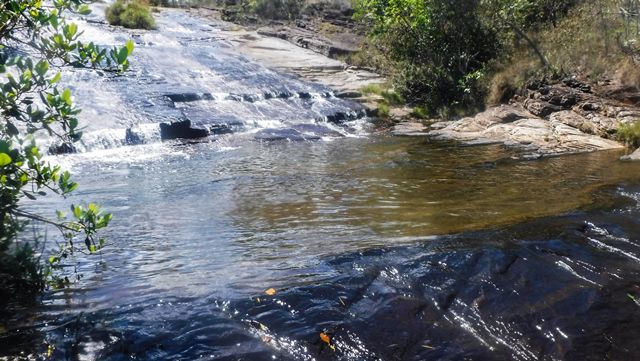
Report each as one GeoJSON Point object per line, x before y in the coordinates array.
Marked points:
{"type": "Point", "coordinates": [429, 347]}
{"type": "Point", "coordinates": [270, 292]}
{"type": "Point", "coordinates": [326, 339]}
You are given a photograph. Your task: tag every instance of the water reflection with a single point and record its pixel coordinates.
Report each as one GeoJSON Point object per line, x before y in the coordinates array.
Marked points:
{"type": "Point", "coordinates": [347, 231]}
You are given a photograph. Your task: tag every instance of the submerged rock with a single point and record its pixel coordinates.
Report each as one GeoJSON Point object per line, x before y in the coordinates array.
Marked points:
{"type": "Point", "coordinates": [188, 97]}
{"type": "Point", "coordinates": [215, 123]}
{"type": "Point", "coordinates": [284, 134]}
{"type": "Point", "coordinates": [181, 130]}
{"type": "Point", "coordinates": [316, 130]}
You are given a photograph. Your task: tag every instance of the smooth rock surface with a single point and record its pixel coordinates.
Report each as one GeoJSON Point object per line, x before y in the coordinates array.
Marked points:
{"type": "Point", "coordinates": [515, 127]}
{"type": "Point", "coordinates": [409, 128]}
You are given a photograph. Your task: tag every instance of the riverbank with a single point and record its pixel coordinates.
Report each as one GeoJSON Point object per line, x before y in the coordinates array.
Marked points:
{"type": "Point", "coordinates": [564, 117]}
{"type": "Point", "coordinates": [549, 119]}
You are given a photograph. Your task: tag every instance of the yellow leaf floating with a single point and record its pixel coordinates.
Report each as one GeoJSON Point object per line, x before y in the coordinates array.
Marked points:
{"type": "Point", "coordinates": [326, 339]}
{"type": "Point", "coordinates": [270, 292]}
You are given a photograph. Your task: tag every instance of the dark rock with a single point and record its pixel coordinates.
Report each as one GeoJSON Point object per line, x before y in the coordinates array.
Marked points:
{"type": "Point", "coordinates": [64, 148]}
{"type": "Point", "coordinates": [188, 97]}
{"type": "Point", "coordinates": [251, 98]}
{"type": "Point", "coordinates": [349, 94]}
{"type": "Point", "coordinates": [576, 84]}
{"type": "Point", "coordinates": [541, 108]}
{"type": "Point", "coordinates": [215, 123]}
{"type": "Point", "coordinates": [304, 95]}
{"type": "Point", "coordinates": [284, 94]}
{"type": "Point", "coordinates": [565, 100]}
{"type": "Point", "coordinates": [181, 130]}
{"type": "Point", "coordinates": [590, 107]}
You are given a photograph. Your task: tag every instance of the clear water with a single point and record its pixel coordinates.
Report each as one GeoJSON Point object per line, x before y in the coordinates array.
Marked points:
{"type": "Point", "coordinates": [398, 248]}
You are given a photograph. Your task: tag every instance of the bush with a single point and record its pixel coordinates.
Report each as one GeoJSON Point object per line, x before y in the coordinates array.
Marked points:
{"type": "Point", "coordinates": [277, 9]}
{"type": "Point", "coordinates": [131, 14]}
{"type": "Point", "coordinates": [629, 134]}
{"type": "Point", "coordinates": [433, 64]}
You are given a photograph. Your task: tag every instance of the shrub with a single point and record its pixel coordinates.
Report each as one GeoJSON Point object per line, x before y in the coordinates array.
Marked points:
{"type": "Point", "coordinates": [629, 133]}
{"type": "Point", "coordinates": [131, 14]}
{"type": "Point", "coordinates": [383, 110]}
{"type": "Point", "coordinates": [277, 9]}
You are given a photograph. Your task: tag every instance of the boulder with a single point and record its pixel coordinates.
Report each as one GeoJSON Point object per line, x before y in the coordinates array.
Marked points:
{"type": "Point", "coordinates": [181, 130]}
{"type": "Point", "coordinates": [541, 108]}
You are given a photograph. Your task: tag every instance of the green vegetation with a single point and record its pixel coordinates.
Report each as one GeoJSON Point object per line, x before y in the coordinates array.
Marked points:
{"type": "Point", "coordinates": [455, 56]}
{"type": "Point", "coordinates": [31, 104]}
{"type": "Point", "coordinates": [132, 14]}
{"type": "Point", "coordinates": [629, 134]}
{"type": "Point", "coordinates": [276, 9]}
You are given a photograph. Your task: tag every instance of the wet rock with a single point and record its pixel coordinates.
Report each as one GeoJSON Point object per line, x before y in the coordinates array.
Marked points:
{"type": "Point", "coordinates": [216, 123]}
{"type": "Point", "coordinates": [304, 95]}
{"type": "Point", "coordinates": [409, 129]}
{"type": "Point", "coordinates": [316, 130]}
{"type": "Point", "coordinates": [188, 97]}
{"type": "Point", "coordinates": [234, 97]}
{"type": "Point", "coordinates": [63, 148]}
{"type": "Point", "coordinates": [284, 134]}
{"type": "Point", "coordinates": [251, 98]}
{"type": "Point", "coordinates": [132, 138]}
{"type": "Point", "coordinates": [181, 130]}
{"type": "Point", "coordinates": [635, 156]}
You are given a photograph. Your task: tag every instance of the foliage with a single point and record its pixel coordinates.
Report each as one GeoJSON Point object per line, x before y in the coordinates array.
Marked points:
{"type": "Point", "coordinates": [35, 40]}
{"type": "Point", "coordinates": [276, 9]}
{"type": "Point", "coordinates": [630, 134]}
{"type": "Point", "coordinates": [420, 113]}
{"type": "Point", "coordinates": [436, 66]}
{"type": "Point", "coordinates": [132, 14]}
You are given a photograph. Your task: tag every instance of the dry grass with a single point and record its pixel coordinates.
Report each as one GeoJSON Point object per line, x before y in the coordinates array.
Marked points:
{"type": "Point", "coordinates": [592, 41]}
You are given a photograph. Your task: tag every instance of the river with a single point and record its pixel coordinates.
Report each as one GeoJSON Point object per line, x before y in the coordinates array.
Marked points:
{"type": "Point", "coordinates": [397, 248]}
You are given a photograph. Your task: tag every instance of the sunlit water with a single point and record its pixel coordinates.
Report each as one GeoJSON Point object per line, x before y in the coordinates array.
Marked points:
{"type": "Point", "coordinates": [400, 249]}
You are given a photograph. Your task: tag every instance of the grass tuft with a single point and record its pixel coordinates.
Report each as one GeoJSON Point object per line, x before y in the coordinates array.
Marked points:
{"type": "Point", "coordinates": [132, 14]}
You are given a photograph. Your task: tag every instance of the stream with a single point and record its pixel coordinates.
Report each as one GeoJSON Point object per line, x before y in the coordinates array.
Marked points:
{"type": "Point", "coordinates": [397, 248]}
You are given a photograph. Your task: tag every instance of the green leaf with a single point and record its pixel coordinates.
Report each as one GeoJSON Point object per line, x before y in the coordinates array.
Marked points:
{"type": "Point", "coordinates": [84, 9]}
{"type": "Point", "coordinates": [130, 46]}
{"type": "Point", "coordinates": [42, 67]}
{"type": "Point", "coordinates": [55, 79]}
{"type": "Point", "coordinates": [122, 55]}
{"type": "Point", "coordinates": [77, 211]}
{"type": "Point", "coordinates": [5, 159]}
{"type": "Point", "coordinates": [66, 96]}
